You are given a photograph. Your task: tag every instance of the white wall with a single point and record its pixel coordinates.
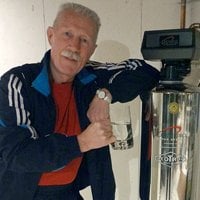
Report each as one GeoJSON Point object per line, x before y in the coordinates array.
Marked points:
{"type": "Point", "coordinates": [22, 36]}
{"type": "Point", "coordinates": [23, 40]}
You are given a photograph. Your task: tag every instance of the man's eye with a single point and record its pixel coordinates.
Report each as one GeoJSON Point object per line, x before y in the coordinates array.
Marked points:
{"type": "Point", "coordinates": [68, 34]}
{"type": "Point", "coordinates": [84, 40]}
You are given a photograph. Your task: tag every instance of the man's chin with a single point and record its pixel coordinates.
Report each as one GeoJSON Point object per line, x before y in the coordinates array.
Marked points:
{"type": "Point", "coordinates": [70, 69]}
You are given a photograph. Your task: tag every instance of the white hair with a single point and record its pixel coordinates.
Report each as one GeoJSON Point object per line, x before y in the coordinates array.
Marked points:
{"type": "Point", "coordinates": [80, 9]}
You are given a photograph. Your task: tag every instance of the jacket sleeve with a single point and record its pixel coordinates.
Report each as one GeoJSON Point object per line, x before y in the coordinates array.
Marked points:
{"type": "Point", "coordinates": [128, 79]}
{"type": "Point", "coordinates": [21, 148]}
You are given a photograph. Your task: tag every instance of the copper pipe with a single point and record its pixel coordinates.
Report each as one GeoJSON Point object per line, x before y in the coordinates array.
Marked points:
{"type": "Point", "coordinates": [183, 13]}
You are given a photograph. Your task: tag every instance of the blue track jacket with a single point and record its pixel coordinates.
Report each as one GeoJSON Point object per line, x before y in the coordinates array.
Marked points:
{"type": "Point", "coordinates": [28, 144]}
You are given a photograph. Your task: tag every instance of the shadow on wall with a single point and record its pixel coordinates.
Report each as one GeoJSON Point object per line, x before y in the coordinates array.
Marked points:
{"type": "Point", "coordinates": [193, 78]}
{"type": "Point", "coordinates": [111, 51]}
{"type": "Point", "coordinates": [121, 160]}
{"type": "Point", "coordinates": [114, 51]}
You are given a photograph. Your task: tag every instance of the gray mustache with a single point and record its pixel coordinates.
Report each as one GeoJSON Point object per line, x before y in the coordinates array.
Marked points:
{"type": "Point", "coordinates": [71, 55]}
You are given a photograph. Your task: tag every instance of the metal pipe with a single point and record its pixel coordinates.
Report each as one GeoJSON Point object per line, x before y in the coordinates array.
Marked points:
{"type": "Point", "coordinates": [195, 26]}
{"type": "Point", "coordinates": [183, 13]}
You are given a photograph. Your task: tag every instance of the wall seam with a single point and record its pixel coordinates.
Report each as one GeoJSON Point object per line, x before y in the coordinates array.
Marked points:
{"type": "Point", "coordinates": [44, 24]}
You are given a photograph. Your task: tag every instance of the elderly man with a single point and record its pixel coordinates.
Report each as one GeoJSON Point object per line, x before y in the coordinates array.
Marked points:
{"type": "Point", "coordinates": [54, 115]}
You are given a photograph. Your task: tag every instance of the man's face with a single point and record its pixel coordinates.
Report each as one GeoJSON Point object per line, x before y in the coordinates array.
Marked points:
{"type": "Point", "coordinates": [72, 42]}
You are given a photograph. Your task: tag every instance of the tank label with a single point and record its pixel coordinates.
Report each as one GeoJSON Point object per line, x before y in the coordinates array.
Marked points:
{"type": "Point", "coordinates": [170, 159]}
{"type": "Point", "coordinates": [170, 139]}
{"type": "Point", "coordinates": [173, 108]}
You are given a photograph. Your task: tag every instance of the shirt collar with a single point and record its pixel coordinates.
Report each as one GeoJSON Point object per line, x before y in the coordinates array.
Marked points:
{"type": "Point", "coordinates": [41, 82]}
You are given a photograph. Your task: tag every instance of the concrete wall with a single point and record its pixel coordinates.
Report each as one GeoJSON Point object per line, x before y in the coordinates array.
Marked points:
{"type": "Point", "coordinates": [23, 40]}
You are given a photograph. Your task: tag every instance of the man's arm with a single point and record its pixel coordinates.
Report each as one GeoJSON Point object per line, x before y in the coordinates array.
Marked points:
{"type": "Point", "coordinates": [122, 82]}
{"type": "Point", "coordinates": [23, 147]}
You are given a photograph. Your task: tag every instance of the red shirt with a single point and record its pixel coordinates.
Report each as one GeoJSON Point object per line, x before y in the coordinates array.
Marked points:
{"type": "Point", "coordinates": [66, 123]}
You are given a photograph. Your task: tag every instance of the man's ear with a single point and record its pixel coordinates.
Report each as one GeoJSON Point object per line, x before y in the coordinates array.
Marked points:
{"type": "Point", "coordinates": [50, 35]}
{"type": "Point", "coordinates": [93, 49]}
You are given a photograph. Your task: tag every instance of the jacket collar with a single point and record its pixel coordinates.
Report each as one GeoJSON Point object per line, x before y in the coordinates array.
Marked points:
{"type": "Point", "coordinates": [41, 82]}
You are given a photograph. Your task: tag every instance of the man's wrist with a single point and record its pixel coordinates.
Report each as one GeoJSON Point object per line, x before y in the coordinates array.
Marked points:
{"type": "Point", "coordinates": [104, 94]}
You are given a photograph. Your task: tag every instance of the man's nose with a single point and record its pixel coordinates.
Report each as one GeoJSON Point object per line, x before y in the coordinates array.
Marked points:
{"type": "Point", "coordinates": [75, 44]}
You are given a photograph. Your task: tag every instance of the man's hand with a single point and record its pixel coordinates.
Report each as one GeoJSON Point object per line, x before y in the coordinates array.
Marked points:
{"type": "Point", "coordinates": [99, 133]}
{"type": "Point", "coordinates": [96, 135]}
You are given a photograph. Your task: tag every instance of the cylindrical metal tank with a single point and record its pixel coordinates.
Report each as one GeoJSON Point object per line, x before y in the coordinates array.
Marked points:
{"type": "Point", "coordinates": [175, 127]}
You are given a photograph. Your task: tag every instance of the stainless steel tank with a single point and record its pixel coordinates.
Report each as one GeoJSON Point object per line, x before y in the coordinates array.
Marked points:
{"type": "Point", "coordinates": [175, 127]}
